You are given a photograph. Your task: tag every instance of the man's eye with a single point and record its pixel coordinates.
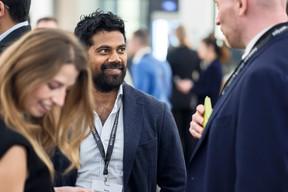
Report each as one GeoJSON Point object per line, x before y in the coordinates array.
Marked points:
{"type": "Point", "coordinates": [122, 49]}
{"type": "Point", "coordinates": [103, 51]}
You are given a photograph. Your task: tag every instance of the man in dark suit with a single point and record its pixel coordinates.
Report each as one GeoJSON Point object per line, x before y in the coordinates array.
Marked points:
{"type": "Point", "coordinates": [13, 21]}
{"type": "Point", "coordinates": [147, 149]}
{"type": "Point", "coordinates": [244, 145]}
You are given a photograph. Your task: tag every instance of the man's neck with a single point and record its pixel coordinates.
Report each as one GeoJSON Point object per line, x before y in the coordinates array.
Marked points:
{"type": "Point", "coordinates": [104, 103]}
{"type": "Point", "coordinates": [6, 24]}
{"type": "Point", "coordinates": [262, 24]}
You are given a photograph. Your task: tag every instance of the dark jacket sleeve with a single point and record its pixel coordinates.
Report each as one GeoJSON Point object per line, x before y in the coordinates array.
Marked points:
{"type": "Point", "coordinates": [170, 156]}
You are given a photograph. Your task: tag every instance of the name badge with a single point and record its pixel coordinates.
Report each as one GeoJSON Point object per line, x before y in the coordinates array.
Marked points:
{"type": "Point", "coordinates": [100, 186]}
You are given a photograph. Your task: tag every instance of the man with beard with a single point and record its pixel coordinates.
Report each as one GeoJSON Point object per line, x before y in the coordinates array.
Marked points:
{"type": "Point", "coordinates": [135, 145]}
{"type": "Point", "coordinates": [244, 145]}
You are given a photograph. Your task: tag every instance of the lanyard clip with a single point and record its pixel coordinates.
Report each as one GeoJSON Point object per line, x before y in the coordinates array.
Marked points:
{"type": "Point", "coordinates": [105, 178]}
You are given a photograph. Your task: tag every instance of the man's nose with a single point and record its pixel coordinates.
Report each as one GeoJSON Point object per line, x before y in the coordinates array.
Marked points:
{"type": "Point", "coordinates": [114, 58]}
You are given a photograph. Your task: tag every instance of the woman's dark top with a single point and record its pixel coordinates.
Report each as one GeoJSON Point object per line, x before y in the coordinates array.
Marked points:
{"type": "Point", "coordinates": [39, 179]}
{"type": "Point", "coordinates": [183, 62]}
{"type": "Point", "coordinates": [209, 83]}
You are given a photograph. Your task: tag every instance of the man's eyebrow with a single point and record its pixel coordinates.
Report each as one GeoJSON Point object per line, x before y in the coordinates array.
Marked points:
{"type": "Point", "coordinates": [109, 47]}
{"type": "Point", "coordinates": [103, 47]}
{"type": "Point", "coordinates": [123, 45]}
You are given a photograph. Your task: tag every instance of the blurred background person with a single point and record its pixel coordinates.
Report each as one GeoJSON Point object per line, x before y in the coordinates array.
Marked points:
{"type": "Point", "coordinates": [149, 74]}
{"type": "Point", "coordinates": [184, 62]}
{"type": "Point", "coordinates": [47, 22]}
{"type": "Point", "coordinates": [210, 81]}
{"type": "Point", "coordinates": [45, 102]}
{"type": "Point", "coordinates": [13, 21]}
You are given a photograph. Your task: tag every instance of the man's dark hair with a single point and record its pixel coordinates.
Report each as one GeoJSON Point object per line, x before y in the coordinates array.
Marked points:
{"type": "Point", "coordinates": [98, 21]}
{"type": "Point", "coordinates": [18, 9]}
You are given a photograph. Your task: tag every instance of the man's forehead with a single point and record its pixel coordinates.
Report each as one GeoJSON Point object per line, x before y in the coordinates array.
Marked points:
{"type": "Point", "coordinates": [109, 38]}
{"type": "Point", "coordinates": [108, 35]}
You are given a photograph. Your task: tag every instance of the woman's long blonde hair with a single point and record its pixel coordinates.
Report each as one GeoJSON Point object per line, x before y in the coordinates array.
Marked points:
{"type": "Point", "coordinates": [34, 59]}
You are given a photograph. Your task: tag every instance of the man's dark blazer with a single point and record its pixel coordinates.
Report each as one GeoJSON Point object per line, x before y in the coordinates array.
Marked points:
{"type": "Point", "coordinates": [152, 148]}
{"type": "Point", "coordinates": [244, 147]}
{"type": "Point", "coordinates": [13, 36]}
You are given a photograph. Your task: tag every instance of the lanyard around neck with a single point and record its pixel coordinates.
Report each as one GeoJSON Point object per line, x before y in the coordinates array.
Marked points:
{"type": "Point", "coordinates": [106, 158]}
{"type": "Point", "coordinates": [270, 34]}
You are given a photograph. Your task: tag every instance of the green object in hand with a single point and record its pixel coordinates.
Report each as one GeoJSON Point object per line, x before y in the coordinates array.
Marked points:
{"type": "Point", "coordinates": [208, 110]}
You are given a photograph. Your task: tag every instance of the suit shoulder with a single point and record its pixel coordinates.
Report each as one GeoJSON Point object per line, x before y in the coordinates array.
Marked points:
{"type": "Point", "coordinates": [277, 46]}
{"type": "Point", "coordinates": [148, 60]}
{"type": "Point", "coordinates": [14, 35]}
{"type": "Point", "coordinates": [143, 97]}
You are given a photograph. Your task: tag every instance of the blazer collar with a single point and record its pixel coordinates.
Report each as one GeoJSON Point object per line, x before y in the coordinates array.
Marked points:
{"type": "Point", "coordinates": [133, 108]}
{"type": "Point", "coordinates": [221, 101]}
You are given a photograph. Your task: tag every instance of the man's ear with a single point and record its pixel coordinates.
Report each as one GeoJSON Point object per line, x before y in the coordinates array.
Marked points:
{"type": "Point", "coordinates": [242, 6]}
{"type": "Point", "coordinates": [2, 10]}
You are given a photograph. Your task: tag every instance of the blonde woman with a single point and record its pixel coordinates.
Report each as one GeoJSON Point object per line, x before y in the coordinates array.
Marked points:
{"type": "Point", "coordinates": [44, 102]}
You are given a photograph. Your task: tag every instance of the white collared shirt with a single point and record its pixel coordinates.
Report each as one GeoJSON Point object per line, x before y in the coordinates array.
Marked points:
{"type": "Point", "coordinates": [91, 162]}
{"type": "Point", "coordinates": [3, 35]}
{"type": "Point", "coordinates": [253, 41]}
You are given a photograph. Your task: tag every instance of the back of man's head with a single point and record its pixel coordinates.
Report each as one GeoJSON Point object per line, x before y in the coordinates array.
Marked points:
{"type": "Point", "coordinates": [18, 9]}
{"type": "Point", "coordinates": [143, 36]}
{"type": "Point", "coordinates": [47, 22]}
{"type": "Point", "coordinates": [98, 21]}
{"type": "Point", "coordinates": [180, 33]}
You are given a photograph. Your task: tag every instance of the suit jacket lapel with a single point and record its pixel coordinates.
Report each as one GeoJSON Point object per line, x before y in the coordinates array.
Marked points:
{"type": "Point", "coordinates": [217, 107]}
{"type": "Point", "coordinates": [206, 130]}
{"type": "Point", "coordinates": [133, 116]}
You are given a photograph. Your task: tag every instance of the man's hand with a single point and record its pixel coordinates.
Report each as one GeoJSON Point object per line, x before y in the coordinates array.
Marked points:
{"type": "Point", "coordinates": [196, 125]}
{"type": "Point", "coordinates": [71, 189]}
